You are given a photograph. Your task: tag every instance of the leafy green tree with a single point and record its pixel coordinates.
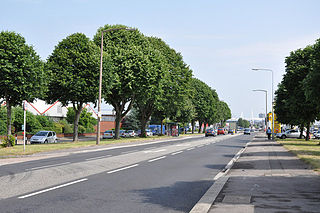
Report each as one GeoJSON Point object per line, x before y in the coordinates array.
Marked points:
{"type": "Point", "coordinates": [131, 121]}
{"type": "Point", "coordinates": [224, 112]}
{"type": "Point", "coordinates": [176, 84]}
{"type": "Point", "coordinates": [311, 82]}
{"type": "Point", "coordinates": [243, 123]}
{"type": "Point", "coordinates": [202, 101]}
{"type": "Point", "coordinates": [291, 95]}
{"type": "Point", "coordinates": [73, 72]}
{"type": "Point", "coordinates": [86, 120]}
{"type": "Point", "coordinates": [22, 75]}
{"type": "Point", "coordinates": [126, 65]}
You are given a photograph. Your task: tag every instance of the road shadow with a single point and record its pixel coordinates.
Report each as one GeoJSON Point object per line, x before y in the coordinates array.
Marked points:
{"type": "Point", "coordinates": [181, 196]}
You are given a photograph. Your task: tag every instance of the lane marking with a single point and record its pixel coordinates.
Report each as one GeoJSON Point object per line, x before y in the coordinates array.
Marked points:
{"type": "Point", "coordinates": [187, 144]}
{"type": "Point", "coordinates": [190, 149]}
{"type": "Point", "coordinates": [53, 188]}
{"type": "Point", "coordinates": [160, 150]}
{"type": "Point", "coordinates": [200, 146]}
{"type": "Point", "coordinates": [42, 167]}
{"type": "Point", "coordinates": [118, 170]}
{"type": "Point", "coordinates": [95, 158]}
{"type": "Point", "coordinates": [156, 159]}
{"type": "Point", "coordinates": [175, 153]}
{"type": "Point", "coordinates": [127, 152]}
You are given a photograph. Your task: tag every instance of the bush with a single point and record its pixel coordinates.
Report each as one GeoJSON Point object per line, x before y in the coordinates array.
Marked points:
{"type": "Point", "coordinates": [9, 141]}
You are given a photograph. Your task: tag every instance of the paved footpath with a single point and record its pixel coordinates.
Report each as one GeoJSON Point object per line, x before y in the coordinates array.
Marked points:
{"type": "Point", "coordinates": [266, 178]}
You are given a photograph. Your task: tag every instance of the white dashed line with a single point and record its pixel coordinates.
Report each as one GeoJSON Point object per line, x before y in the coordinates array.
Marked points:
{"type": "Point", "coordinates": [95, 158]}
{"type": "Point", "coordinates": [127, 152]}
{"type": "Point", "coordinates": [156, 159]}
{"type": "Point", "coordinates": [118, 170]}
{"type": "Point", "coordinates": [53, 188]}
{"type": "Point", "coordinates": [42, 167]}
{"type": "Point", "coordinates": [190, 149]}
{"type": "Point", "coordinates": [175, 153]}
{"type": "Point", "coordinates": [155, 151]}
{"type": "Point", "coordinates": [200, 146]}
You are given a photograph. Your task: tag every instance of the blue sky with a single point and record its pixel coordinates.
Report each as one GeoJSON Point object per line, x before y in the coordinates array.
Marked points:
{"type": "Point", "coordinates": [220, 40]}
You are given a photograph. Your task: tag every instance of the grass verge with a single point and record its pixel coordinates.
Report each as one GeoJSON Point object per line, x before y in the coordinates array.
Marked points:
{"type": "Point", "coordinates": [17, 150]}
{"type": "Point", "coordinates": [308, 151]}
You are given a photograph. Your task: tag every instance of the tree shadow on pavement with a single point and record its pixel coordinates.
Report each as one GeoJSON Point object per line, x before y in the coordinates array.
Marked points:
{"type": "Point", "coordinates": [181, 196]}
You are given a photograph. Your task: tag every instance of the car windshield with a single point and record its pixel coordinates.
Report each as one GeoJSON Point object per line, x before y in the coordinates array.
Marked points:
{"type": "Point", "coordinates": [247, 130]}
{"type": "Point", "coordinates": [108, 131]}
{"type": "Point", "coordinates": [130, 131]}
{"type": "Point", "coordinates": [41, 134]}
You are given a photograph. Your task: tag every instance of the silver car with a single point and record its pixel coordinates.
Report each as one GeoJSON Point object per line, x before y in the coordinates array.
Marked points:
{"type": "Point", "coordinates": [291, 133]}
{"type": "Point", "coordinates": [44, 137]}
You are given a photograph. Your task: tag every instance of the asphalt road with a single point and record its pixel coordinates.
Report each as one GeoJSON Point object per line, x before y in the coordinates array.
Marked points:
{"type": "Point", "coordinates": [159, 177]}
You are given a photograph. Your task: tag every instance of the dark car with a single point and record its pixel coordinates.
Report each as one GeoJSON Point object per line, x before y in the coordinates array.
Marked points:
{"type": "Point", "coordinates": [210, 132]}
{"type": "Point", "coordinates": [231, 131]}
{"type": "Point", "coordinates": [247, 131]}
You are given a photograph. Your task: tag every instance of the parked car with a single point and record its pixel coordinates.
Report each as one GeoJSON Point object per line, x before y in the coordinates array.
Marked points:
{"type": "Point", "coordinates": [44, 137]}
{"type": "Point", "coordinates": [291, 133]}
{"type": "Point", "coordinates": [221, 131]}
{"type": "Point", "coordinates": [130, 133]}
{"type": "Point", "coordinates": [317, 134]}
{"type": "Point", "coordinates": [108, 134]}
{"type": "Point", "coordinates": [149, 132]}
{"type": "Point", "coordinates": [247, 131]}
{"type": "Point", "coordinates": [231, 131]}
{"type": "Point", "coordinates": [210, 132]}
{"type": "Point", "coordinates": [122, 133]}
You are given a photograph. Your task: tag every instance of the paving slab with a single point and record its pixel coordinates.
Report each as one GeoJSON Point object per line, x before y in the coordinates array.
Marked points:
{"type": "Point", "coordinates": [267, 178]}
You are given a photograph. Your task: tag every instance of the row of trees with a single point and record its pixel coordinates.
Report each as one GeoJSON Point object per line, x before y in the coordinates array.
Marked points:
{"type": "Point", "coordinates": [297, 100]}
{"type": "Point", "coordinates": [138, 71]}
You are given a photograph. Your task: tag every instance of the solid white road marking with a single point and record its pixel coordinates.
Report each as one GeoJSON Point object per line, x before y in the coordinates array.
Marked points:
{"type": "Point", "coordinates": [53, 188]}
{"type": "Point", "coordinates": [187, 144]}
{"type": "Point", "coordinates": [175, 153]}
{"type": "Point", "coordinates": [190, 148]}
{"type": "Point", "coordinates": [118, 170]}
{"type": "Point", "coordinates": [42, 167]}
{"type": "Point", "coordinates": [156, 159]}
{"type": "Point", "coordinates": [95, 158]}
{"type": "Point", "coordinates": [160, 150]}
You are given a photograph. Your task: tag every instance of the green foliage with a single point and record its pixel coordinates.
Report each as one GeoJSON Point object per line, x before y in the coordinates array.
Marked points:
{"type": "Point", "coordinates": [131, 121]}
{"type": "Point", "coordinates": [243, 123]}
{"type": "Point", "coordinates": [22, 76]}
{"type": "Point", "coordinates": [8, 141]}
{"type": "Point", "coordinates": [73, 71]}
{"type": "Point", "coordinates": [86, 121]}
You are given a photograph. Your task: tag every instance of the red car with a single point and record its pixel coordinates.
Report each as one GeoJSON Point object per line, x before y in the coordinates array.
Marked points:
{"type": "Point", "coordinates": [220, 131]}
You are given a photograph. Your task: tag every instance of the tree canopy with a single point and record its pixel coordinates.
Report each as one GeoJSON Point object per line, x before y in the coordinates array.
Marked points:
{"type": "Point", "coordinates": [22, 76]}
{"type": "Point", "coordinates": [73, 72]}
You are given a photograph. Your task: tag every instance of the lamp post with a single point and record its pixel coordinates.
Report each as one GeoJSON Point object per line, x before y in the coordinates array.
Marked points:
{"type": "Point", "coordinates": [269, 70]}
{"type": "Point", "coordinates": [100, 78]}
{"type": "Point", "coordinates": [265, 91]}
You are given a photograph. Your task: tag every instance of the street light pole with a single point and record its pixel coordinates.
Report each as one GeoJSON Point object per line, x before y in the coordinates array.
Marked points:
{"type": "Point", "coordinates": [269, 70]}
{"type": "Point", "coordinates": [100, 78]}
{"type": "Point", "coordinates": [266, 92]}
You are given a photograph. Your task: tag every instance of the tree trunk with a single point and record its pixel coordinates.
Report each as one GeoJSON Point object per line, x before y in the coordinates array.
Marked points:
{"type": "Point", "coordinates": [204, 127]}
{"type": "Point", "coordinates": [143, 126]}
{"type": "Point", "coordinates": [308, 132]}
{"type": "Point", "coordinates": [76, 122]}
{"type": "Point", "coordinates": [200, 126]}
{"type": "Point", "coordinates": [301, 131]}
{"type": "Point", "coordinates": [192, 124]}
{"type": "Point", "coordinates": [9, 118]}
{"type": "Point", "coordinates": [117, 127]}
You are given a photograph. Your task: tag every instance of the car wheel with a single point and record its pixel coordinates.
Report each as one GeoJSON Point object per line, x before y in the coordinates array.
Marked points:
{"type": "Point", "coordinates": [46, 141]}
{"type": "Point", "coordinates": [283, 137]}
{"type": "Point", "coordinates": [303, 137]}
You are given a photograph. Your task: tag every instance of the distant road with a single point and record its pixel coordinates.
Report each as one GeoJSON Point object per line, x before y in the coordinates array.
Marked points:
{"type": "Point", "coordinates": [159, 177]}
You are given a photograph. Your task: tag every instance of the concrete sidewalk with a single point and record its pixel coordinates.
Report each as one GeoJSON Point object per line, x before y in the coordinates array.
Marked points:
{"type": "Point", "coordinates": [267, 178]}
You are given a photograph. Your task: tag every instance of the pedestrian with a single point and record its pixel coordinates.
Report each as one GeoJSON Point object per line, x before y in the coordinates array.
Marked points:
{"type": "Point", "coordinates": [269, 133]}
